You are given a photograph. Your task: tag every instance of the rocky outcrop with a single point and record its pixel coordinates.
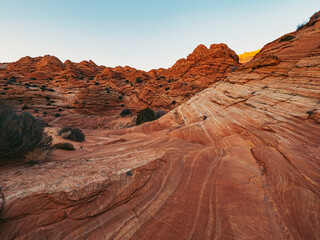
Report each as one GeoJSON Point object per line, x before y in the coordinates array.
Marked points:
{"type": "Point", "coordinates": [49, 68]}
{"type": "Point", "coordinates": [204, 65]}
{"type": "Point", "coordinates": [247, 56]}
{"type": "Point", "coordinates": [135, 89]}
{"type": "Point", "coordinates": [166, 88]}
{"type": "Point", "coordinates": [240, 160]}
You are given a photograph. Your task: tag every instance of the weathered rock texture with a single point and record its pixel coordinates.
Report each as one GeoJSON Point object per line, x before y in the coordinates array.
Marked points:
{"type": "Point", "coordinates": [240, 160]}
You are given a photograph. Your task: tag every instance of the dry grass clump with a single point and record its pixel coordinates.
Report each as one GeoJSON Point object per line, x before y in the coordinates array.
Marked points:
{"type": "Point", "coordinates": [36, 156]}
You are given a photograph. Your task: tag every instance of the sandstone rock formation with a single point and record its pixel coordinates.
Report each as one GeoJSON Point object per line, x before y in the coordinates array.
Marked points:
{"type": "Point", "coordinates": [240, 160]}
{"type": "Point", "coordinates": [49, 68]}
{"type": "Point", "coordinates": [97, 90]}
{"type": "Point", "coordinates": [247, 56]}
{"type": "Point", "coordinates": [166, 88]}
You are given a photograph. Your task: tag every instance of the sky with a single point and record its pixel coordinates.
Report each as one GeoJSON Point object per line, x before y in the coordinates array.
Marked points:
{"type": "Point", "coordinates": [144, 34]}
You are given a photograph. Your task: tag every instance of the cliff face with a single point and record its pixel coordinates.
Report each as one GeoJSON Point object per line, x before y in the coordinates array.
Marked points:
{"type": "Point", "coordinates": [240, 160]}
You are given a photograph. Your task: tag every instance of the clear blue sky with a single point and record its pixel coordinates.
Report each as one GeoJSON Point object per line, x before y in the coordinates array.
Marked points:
{"type": "Point", "coordinates": [144, 34]}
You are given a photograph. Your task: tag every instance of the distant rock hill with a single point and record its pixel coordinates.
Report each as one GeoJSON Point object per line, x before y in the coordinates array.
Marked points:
{"type": "Point", "coordinates": [247, 56]}
{"type": "Point", "coordinates": [89, 89]}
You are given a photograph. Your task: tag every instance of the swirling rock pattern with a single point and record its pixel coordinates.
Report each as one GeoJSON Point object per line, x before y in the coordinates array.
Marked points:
{"type": "Point", "coordinates": [240, 160]}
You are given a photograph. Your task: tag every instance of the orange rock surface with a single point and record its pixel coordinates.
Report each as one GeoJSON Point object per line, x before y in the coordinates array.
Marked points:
{"type": "Point", "coordinates": [247, 56]}
{"type": "Point", "coordinates": [240, 160]}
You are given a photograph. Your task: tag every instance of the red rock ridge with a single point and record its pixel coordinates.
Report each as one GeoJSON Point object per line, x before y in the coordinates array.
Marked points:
{"type": "Point", "coordinates": [87, 89]}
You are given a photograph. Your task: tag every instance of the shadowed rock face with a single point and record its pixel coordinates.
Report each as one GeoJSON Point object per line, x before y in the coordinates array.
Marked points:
{"type": "Point", "coordinates": [240, 160]}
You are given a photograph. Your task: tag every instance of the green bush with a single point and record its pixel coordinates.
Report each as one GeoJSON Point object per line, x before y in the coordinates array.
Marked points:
{"type": "Point", "coordinates": [22, 136]}
{"type": "Point", "coordinates": [73, 134]}
{"type": "Point", "coordinates": [146, 115]}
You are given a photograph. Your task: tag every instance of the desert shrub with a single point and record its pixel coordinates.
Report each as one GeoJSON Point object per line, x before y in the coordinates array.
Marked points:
{"type": "Point", "coordinates": [300, 26]}
{"type": "Point", "coordinates": [159, 113]}
{"type": "Point", "coordinates": [36, 156]}
{"type": "Point", "coordinates": [25, 106]}
{"type": "Point", "coordinates": [311, 112]}
{"type": "Point", "coordinates": [73, 134]}
{"type": "Point", "coordinates": [173, 102]}
{"type": "Point", "coordinates": [138, 80]}
{"type": "Point", "coordinates": [167, 88]}
{"type": "Point", "coordinates": [125, 112]}
{"type": "Point", "coordinates": [22, 135]}
{"type": "Point", "coordinates": [146, 115]}
{"type": "Point", "coordinates": [64, 146]}
{"type": "Point", "coordinates": [286, 38]}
